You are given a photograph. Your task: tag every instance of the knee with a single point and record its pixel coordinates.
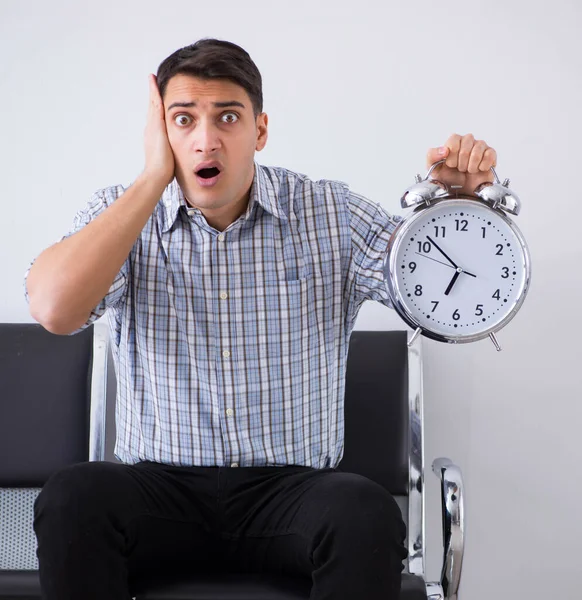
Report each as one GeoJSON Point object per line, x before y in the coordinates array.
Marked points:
{"type": "Point", "coordinates": [358, 506]}
{"type": "Point", "coordinates": [74, 490]}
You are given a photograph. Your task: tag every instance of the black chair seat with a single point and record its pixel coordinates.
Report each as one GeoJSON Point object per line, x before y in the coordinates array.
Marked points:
{"type": "Point", "coordinates": [21, 585]}
{"type": "Point", "coordinates": [24, 585]}
{"type": "Point", "coordinates": [235, 586]}
{"type": "Point", "coordinates": [228, 586]}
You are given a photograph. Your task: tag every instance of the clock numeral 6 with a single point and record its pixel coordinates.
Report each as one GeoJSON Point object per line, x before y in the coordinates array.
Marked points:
{"type": "Point", "coordinates": [479, 310]}
{"type": "Point", "coordinates": [456, 315]}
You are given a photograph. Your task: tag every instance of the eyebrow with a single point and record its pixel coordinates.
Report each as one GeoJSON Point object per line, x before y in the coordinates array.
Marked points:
{"type": "Point", "coordinates": [215, 104]}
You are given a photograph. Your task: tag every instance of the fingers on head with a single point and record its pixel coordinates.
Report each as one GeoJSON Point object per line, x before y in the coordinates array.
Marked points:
{"type": "Point", "coordinates": [155, 98]}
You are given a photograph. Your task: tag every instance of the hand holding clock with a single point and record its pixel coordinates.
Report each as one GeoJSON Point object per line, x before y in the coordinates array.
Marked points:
{"type": "Point", "coordinates": [468, 162]}
{"type": "Point", "coordinates": [457, 220]}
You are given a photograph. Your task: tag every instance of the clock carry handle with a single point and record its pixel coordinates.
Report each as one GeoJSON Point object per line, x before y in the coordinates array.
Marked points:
{"type": "Point", "coordinates": [440, 162]}
{"type": "Point", "coordinates": [497, 195]}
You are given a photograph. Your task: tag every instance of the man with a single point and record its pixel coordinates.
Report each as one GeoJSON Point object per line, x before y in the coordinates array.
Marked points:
{"type": "Point", "coordinates": [233, 289]}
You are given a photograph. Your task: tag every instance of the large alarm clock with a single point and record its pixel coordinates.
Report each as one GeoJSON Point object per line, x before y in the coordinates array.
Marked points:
{"type": "Point", "coordinates": [458, 268]}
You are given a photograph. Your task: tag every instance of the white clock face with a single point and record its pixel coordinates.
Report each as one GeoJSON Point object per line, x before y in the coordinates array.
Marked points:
{"type": "Point", "coordinates": [459, 268]}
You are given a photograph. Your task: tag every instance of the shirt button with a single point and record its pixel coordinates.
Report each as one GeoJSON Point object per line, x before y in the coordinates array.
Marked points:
{"type": "Point", "coordinates": [223, 295]}
{"type": "Point", "coordinates": [220, 237]}
{"type": "Point", "coordinates": [229, 412]}
{"type": "Point", "coordinates": [226, 354]}
{"type": "Point", "coordinates": [234, 465]}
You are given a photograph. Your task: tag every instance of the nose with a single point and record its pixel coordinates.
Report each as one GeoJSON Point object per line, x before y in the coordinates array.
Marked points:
{"type": "Point", "coordinates": [206, 137]}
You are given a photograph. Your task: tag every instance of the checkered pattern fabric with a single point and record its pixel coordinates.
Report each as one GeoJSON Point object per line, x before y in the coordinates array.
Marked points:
{"type": "Point", "coordinates": [230, 347]}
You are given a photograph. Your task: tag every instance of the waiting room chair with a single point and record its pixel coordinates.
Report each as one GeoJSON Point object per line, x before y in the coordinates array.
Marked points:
{"type": "Point", "coordinates": [53, 412]}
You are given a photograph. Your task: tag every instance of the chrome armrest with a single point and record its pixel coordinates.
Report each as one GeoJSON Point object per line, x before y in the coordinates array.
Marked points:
{"type": "Point", "coordinates": [453, 524]}
{"type": "Point", "coordinates": [98, 391]}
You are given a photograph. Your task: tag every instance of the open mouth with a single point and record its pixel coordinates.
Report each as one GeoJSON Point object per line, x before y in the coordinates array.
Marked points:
{"type": "Point", "coordinates": [208, 173]}
{"type": "Point", "coordinates": [208, 176]}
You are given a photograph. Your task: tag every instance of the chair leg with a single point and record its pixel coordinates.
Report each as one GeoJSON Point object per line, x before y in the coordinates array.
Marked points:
{"type": "Point", "coordinates": [434, 591]}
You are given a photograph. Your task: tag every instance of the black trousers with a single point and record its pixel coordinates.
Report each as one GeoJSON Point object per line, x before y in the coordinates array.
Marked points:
{"type": "Point", "coordinates": [104, 529]}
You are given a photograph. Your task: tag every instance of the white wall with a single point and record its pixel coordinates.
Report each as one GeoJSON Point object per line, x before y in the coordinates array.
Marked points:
{"type": "Point", "coordinates": [358, 91]}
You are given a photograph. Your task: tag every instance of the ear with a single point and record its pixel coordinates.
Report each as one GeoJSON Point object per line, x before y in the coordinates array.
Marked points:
{"type": "Point", "coordinates": [262, 131]}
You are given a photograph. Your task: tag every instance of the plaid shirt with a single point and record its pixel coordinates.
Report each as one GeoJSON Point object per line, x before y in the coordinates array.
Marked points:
{"type": "Point", "coordinates": [230, 347]}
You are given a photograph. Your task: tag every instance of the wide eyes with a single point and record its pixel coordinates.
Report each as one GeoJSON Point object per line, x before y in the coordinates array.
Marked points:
{"type": "Point", "coordinates": [183, 120]}
{"type": "Point", "coordinates": [225, 118]}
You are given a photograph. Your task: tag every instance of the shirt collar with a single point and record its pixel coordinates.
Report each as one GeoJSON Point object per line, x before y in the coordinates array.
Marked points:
{"type": "Point", "coordinates": [264, 192]}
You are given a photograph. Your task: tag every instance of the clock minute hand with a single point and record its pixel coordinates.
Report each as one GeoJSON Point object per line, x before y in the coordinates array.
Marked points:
{"type": "Point", "coordinates": [435, 260]}
{"type": "Point", "coordinates": [441, 251]}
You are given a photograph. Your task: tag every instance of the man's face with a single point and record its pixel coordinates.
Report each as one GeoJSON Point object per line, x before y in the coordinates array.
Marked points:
{"type": "Point", "coordinates": [213, 122]}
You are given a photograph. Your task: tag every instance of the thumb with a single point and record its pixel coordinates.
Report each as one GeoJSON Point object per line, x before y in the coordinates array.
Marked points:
{"type": "Point", "coordinates": [436, 154]}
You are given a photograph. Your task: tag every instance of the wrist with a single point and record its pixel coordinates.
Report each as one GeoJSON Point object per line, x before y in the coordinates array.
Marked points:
{"type": "Point", "coordinates": [155, 179]}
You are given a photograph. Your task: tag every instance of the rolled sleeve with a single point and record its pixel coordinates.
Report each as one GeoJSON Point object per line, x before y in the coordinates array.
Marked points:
{"type": "Point", "coordinates": [100, 201]}
{"type": "Point", "coordinates": [371, 228]}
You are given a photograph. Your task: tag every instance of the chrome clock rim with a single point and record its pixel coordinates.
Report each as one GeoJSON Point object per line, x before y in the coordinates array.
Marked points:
{"type": "Point", "coordinates": [391, 272]}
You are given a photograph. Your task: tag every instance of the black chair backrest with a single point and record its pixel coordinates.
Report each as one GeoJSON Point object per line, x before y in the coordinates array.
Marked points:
{"type": "Point", "coordinates": [377, 413]}
{"type": "Point", "coordinates": [45, 395]}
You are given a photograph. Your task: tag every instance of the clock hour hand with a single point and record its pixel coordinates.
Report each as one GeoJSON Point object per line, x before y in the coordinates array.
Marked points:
{"type": "Point", "coordinates": [441, 251]}
{"type": "Point", "coordinates": [453, 281]}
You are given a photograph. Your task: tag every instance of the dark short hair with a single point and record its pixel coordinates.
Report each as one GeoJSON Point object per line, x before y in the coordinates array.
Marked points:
{"type": "Point", "coordinates": [214, 59]}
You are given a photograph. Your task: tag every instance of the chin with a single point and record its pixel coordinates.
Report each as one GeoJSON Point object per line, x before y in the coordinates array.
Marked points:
{"type": "Point", "coordinates": [200, 196]}
{"type": "Point", "coordinates": [203, 200]}
{"type": "Point", "coordinates": [206, 199]}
